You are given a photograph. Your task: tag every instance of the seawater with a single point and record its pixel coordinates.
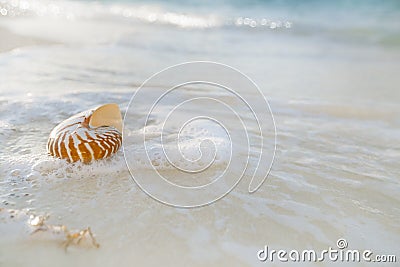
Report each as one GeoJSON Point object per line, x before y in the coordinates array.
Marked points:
{"type": "Point", "coordinates": [330, 80]}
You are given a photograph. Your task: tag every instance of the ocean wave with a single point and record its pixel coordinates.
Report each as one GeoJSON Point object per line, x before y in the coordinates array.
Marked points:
{"type": "Point", "coordinates": [352, 22]}
{"type": "Point", "coordinates": [153, 14]}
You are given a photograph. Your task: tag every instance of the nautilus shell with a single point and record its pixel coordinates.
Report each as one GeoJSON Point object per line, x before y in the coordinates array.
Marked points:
{"type": "Point", "coordinates": [87, 136]}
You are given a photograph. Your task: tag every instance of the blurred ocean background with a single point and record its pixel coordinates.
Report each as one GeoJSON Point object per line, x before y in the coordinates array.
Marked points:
{"type": "Point", "coordinates": [329, 69]}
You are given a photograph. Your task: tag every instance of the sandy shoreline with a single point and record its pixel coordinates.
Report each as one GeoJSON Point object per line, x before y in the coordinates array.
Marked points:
{"type": "Point", "coordinates": [10, 40]}
{"type": "Point", "coordinates": [334, 101]}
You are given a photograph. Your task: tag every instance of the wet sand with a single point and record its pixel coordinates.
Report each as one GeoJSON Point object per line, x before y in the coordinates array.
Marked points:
{"type": "Point", "coordinates": [10, 40]}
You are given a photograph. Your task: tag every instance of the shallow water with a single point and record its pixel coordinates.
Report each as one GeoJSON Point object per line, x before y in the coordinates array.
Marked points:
{"type": "Point", "coordinates": [331, 87]}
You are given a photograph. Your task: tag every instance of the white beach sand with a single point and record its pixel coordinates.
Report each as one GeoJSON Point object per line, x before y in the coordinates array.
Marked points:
{"type": "Point", "coordinates": [333, 92]}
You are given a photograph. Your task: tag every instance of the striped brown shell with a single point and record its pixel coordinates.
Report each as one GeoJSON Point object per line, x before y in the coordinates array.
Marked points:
{"type": "Point", "coordinates": [76, 139]}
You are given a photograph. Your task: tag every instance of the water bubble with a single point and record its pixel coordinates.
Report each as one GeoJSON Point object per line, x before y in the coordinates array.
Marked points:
{"type": "Point", "coordinates": [239, 21]}
{"type": "Point", "coordinates": [3, 11]}
{"type": "Point", "coordinates": [264, 22]}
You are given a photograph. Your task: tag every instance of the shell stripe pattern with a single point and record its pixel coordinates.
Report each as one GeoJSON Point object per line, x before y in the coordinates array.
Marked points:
{"type": "Point", "coordinates": [75, 140]}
